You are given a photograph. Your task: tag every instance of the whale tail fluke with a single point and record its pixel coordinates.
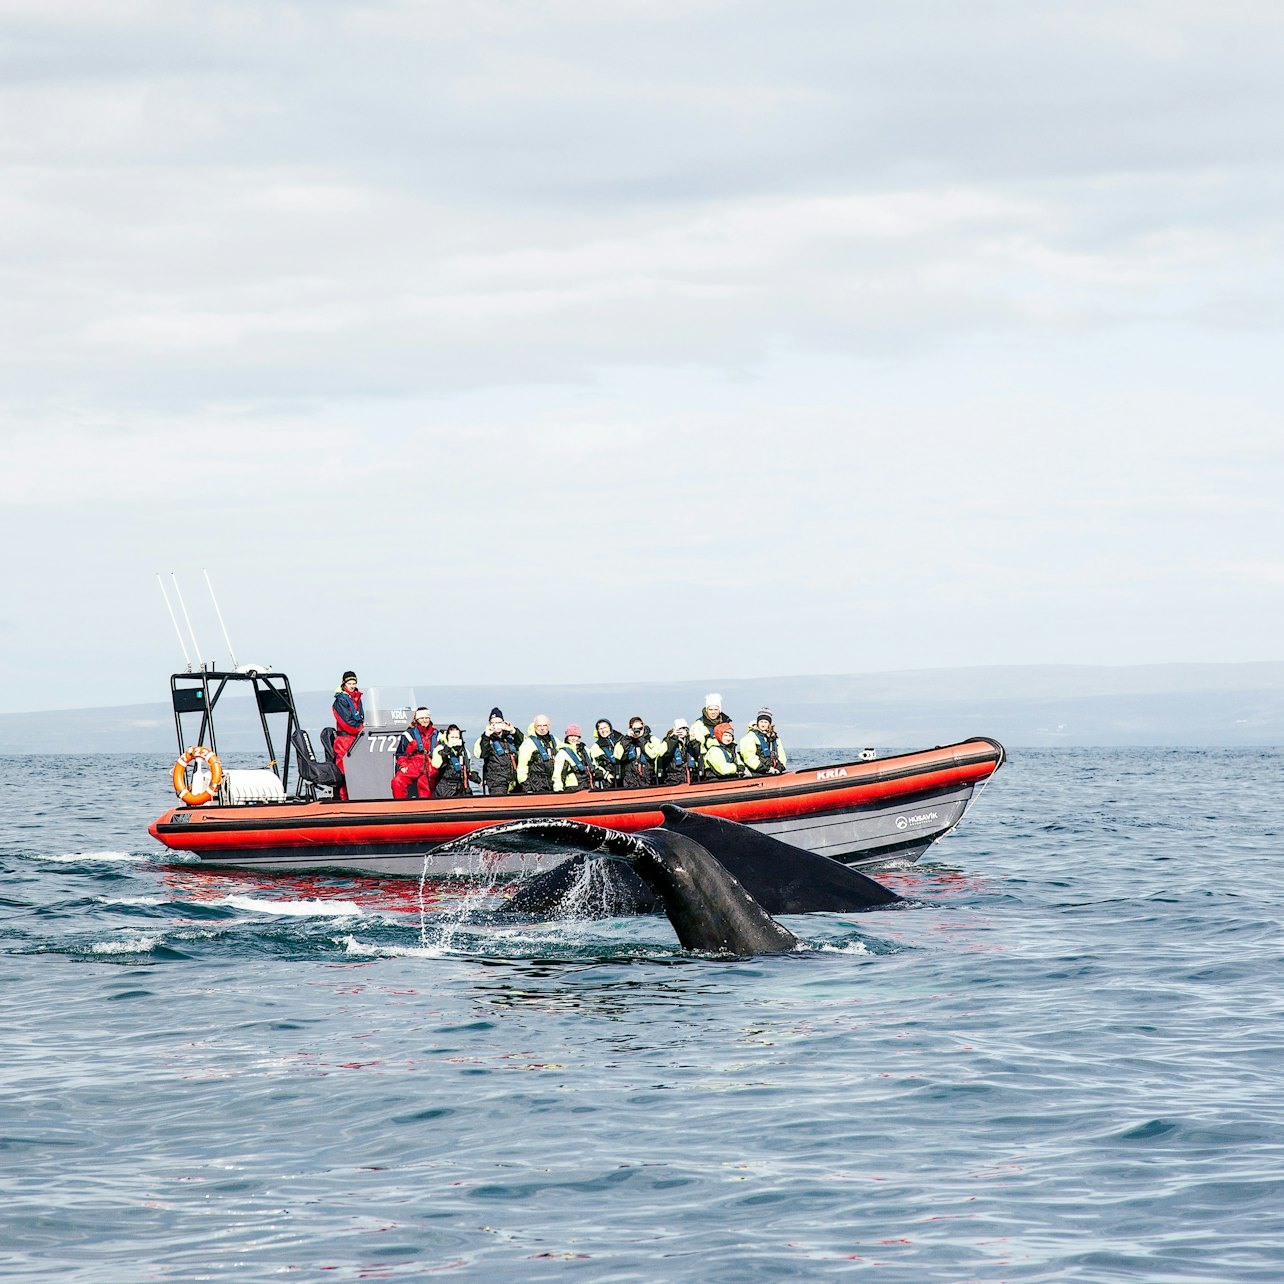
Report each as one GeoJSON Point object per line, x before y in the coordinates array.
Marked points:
{"type": "Point", "coordinates": [718, 882]}
{"type": "Point", "coordinates": [709, 909]}
{"type": "Point", "coordinates": [782, 878]}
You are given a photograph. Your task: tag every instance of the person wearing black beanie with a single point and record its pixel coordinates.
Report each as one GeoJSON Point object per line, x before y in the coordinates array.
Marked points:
{"type": "Point", "coordinates": [606, 751]}
{"type": "Point", "coordinates": [350, 718]}
{"type": "Point", "coordinates": [496, 750]}
{"type": "Point", "coordinates": [761, 747]}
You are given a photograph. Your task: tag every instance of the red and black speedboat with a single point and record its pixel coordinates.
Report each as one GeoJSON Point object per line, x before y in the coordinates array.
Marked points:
{"type": "Point", "coordinates": [862, 813]}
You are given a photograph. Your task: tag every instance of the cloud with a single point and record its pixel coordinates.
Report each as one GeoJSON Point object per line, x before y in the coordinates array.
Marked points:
{"type": "Point", "coordinates": [1257, 573]}
{"type": "Point", "coordinates": [425, 316]}
{"type": "Point", "coordinates": [290, 288]}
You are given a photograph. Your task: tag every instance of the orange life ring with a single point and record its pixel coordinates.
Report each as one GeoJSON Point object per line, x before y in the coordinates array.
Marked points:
{"type": "Point", "coordinates": [210, 759]}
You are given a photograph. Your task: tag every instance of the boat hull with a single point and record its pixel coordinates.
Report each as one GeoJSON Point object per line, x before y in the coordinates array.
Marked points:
{"type": "Point", "coordinates": [863, 813]}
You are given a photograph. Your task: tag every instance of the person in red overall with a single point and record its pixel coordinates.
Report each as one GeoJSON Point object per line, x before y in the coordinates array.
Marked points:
{"type": "Point", "coordinates": [415, 774]}
{"type": "Point", "coordinates": [350, 718]}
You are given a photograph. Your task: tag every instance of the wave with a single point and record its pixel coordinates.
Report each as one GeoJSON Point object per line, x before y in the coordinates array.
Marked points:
{"type": "Point", "coordinates": [131, 945]}
{"type": "Point", "coordinates": [847, 947]}
{"type": "Point", "coordinates": [70, 858]}
{"type": "Point", "coordinates": [369, 950]}
{"type": "Point", "coordinates": [300, 909]}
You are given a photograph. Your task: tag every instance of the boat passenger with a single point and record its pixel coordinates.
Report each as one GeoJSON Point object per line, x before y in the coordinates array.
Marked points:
{"type": "Point", "coordinates": [415, 773]}
{"type": "Point", "coordinates": [571, 770]}
{"type": "Point", "coordinates": [677, 761]}
{"type": "Point", "coordinates": [535, 758]}
{"type": "Point", "coordinates": [349, 717]}
{"type": "Point", "coordinates": [450, 761]}
{"type": "Point", "coordinates": [710, 716]}
{"type": "Point", "coordinates": [637, 770]}
{"type": "Point", "coordinates": [496, 750]}
{"type": "Point", "coordinates": [722, 756]}
{"type": "Point", "coordinates": [606, 752]}
{"type": "Point", "coordinates": [761, 748]}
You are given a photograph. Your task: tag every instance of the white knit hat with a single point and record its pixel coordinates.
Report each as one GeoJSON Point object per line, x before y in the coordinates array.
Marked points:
{"type": "Point", "coordinates": [712, 699]}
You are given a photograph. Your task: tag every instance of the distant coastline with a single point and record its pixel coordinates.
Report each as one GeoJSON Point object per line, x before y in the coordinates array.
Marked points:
{"type": "Point", "coordinates": [1024, 706]}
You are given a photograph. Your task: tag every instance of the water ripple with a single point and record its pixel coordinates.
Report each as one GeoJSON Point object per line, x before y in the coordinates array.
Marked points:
{"type": "Point", "coordinates": [1059, 1063]}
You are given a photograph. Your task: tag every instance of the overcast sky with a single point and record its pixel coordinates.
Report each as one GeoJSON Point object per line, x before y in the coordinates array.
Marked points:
{"type": "Point", "coordinates": [612, 340]}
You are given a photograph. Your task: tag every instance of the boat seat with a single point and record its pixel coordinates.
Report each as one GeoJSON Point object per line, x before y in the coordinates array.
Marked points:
{"type": "Point", "coordinates": [314, 774]}
{"type": "Point", "coordinates": [327, 742]}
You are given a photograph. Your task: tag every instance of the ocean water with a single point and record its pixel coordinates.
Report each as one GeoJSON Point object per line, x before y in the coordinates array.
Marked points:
{"type": "Point", "coordinates": [1061, 1061]}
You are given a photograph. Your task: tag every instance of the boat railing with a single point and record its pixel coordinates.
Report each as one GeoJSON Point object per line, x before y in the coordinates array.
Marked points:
{"type": "Point", "coordinates": [195, 697]}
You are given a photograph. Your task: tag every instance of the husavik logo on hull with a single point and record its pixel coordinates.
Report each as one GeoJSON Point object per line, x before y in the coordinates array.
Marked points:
{"type": "Point", "coordinates": [923, 818]}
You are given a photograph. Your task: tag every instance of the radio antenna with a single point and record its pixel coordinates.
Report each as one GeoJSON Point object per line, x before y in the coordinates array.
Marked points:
{"type": "Point", "coordinates": [187, 617]}
{"type": "Point", "coordinates": [174, 620]}
{"type": "Point", "coordinates": [219, 613]}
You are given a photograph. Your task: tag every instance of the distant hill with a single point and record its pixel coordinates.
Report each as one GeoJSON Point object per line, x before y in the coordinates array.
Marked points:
{"type": "Point", "coordinates": [1037, 705]}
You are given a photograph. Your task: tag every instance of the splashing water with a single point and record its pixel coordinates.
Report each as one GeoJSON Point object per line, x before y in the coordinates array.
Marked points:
{"type": "Point", "coordinates": [464, 908]}
{"type": "Point", "coordinates": [590, 896]}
